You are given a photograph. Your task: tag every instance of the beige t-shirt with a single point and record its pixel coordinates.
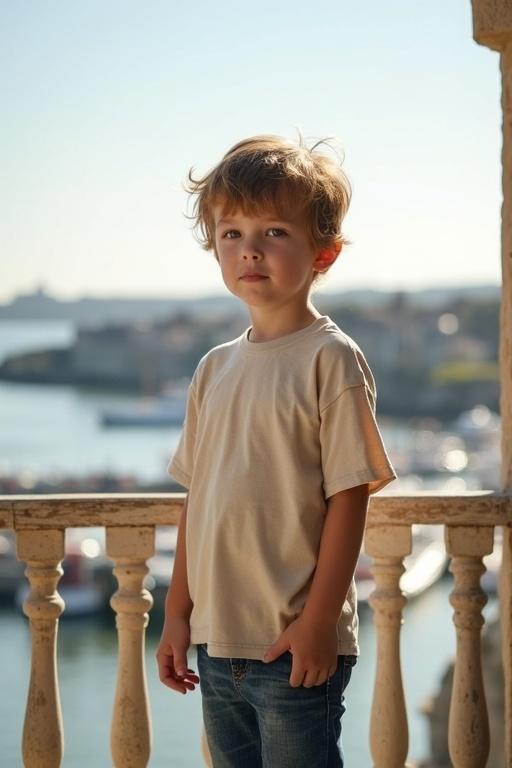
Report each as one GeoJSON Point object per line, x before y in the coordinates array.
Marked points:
{"type": "Point", "coordinates": [272, 429]}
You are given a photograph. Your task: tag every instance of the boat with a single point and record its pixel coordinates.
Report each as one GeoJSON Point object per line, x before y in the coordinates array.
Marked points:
{"type": "Point", "coordinates": [164, 410]}
{"type": "Point", "coordinates": [423, 567]}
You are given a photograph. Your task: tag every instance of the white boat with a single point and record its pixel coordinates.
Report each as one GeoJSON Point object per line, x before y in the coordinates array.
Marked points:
{"type": "Point", "coordinates": [423, 567]}
{"type": "Point", "coordinates": [167, 409]}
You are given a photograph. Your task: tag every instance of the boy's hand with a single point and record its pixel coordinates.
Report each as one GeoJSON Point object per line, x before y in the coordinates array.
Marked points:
{"type": "Point", "coordinates": [171, 656]}
{"type": "Point", "coordinates": [314, 649]}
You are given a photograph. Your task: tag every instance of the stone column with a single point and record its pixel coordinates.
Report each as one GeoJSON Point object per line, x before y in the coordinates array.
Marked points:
{"type": "Point", "coordinates": [492, 27]}
{"type": "Point", "coordinates": [389, 733]}
{"type": "Point", "coordinates": [468, 727]}
{"type": "Point", "coordinates": [43, 737]}
{"type": "Point", "coordinates": [130, 736]}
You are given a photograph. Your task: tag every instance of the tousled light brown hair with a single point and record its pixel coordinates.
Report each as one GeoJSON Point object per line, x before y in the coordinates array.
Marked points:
{"type": "Point", "coordinates": [269, 173]}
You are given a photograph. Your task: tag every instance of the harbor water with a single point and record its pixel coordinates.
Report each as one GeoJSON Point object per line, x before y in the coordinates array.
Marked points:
{"type": "Point", "coordinates": [53, 431]}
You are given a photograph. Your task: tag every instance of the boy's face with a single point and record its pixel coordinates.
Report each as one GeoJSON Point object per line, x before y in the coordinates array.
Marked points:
{"type": "Point", "coordinates": [275, 247]}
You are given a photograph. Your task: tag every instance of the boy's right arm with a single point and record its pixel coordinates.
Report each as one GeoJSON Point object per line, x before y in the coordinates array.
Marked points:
{"type": "Point", "coordinates": [171, 654]}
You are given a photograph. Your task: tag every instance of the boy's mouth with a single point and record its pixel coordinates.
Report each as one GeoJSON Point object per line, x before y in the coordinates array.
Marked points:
{"type": "Point", "coordinates": [253, 276]}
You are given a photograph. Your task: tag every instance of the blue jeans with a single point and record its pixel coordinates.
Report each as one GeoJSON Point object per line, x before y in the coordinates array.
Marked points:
{"type": "Point", "coordinates": [254, 718]}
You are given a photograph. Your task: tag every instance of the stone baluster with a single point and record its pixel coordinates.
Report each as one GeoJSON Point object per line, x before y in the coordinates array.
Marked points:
{"type": "Point", "coordinates": [43, 739]}
{"type": "Point", "coordinates": [389, 736]}
{"type": "Point", "coordinates": [129, 548]}
{"type": "Point", "coordinates": [468, 727]}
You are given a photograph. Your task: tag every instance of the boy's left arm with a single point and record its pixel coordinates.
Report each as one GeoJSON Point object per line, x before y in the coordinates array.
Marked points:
{"type": "Point", "coordinates": [312, 637]}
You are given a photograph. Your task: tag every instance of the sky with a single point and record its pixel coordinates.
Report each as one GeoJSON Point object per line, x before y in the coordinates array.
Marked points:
{"type": "Point", "coordinates": [107, 104]}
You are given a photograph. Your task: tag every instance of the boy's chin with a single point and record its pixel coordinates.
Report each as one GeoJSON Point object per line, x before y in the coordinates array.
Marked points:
{"type": "Point", "coordinates": [250, 299]}
{"type": "Point", "coordinates": [252, 302]}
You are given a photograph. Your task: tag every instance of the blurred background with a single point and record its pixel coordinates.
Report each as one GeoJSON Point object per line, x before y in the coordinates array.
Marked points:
{"type": "Point", "coordinates": [107, 302]}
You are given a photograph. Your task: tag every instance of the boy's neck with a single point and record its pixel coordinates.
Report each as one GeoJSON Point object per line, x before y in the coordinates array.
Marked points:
{"type": "Point", "coordinates": [266, 327]}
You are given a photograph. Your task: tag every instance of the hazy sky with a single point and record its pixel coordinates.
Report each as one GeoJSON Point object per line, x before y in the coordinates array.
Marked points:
{"type": "Point", "coordinates": [107, 104]}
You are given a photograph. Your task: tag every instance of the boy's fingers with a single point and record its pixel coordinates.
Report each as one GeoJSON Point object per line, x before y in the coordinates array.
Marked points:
{"type": "Point", "coordinates": [170, 682]}
{"type": "Point", "coordinates": [180, 663]}
{"type": "Point", "coordinates": [311, 678]}
{"type": "Point", "coordinates": [169, 662]}
{"type": "Point", "coordinates": [170, 679]}
{"type": "Point", "coordinates": [166, 668]}
{"type": "Point", "coordinates": [322, 677]}
{"type": "Point", "coordinates": [188, 677]}
{"type": "Point", "coordinates": [297, 675]}
{"type": "Point", "coordinates": [276, 650]}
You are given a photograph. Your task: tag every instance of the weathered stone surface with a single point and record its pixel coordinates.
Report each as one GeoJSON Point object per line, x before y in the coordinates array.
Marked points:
{"type": "Point", "coordinates": [126, 509]}
{"type": "Point", "coordinates": [437, 708]}
{"type": "Point", "coordinates": [492, 22]}
{"type": "Point", "coordinates": [43, 735]}
{"type": "Point", "coordinates": [389, 734]}
{"type": "Point", "coordinates": [88, 509]}
{"type": "Point", "coordinates": [131, 734]}
{"type": "Point", "coordinates": [468, 724]}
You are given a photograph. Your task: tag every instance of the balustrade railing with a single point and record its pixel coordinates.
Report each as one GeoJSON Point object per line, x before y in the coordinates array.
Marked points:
{"type": "Point", "coordinates": [130, 520]}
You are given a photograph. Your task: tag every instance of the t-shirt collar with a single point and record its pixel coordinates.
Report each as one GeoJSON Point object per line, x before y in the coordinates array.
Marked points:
{"type": "Point", "coordinates": [257, 347]}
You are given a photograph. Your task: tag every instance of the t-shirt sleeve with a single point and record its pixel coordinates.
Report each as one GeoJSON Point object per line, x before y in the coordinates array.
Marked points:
{"type": "Point", "coordinates": [182, 461]}
{"type": "Point", "coordinates": [352, 448]}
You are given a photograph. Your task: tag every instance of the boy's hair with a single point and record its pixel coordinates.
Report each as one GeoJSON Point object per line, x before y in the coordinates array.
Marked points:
{"type": "Point", "coordinates": [269, 173]}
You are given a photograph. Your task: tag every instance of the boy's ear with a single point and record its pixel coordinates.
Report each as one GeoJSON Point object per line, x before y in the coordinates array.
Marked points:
{"type": "Point", "coordinates": [327, 256]}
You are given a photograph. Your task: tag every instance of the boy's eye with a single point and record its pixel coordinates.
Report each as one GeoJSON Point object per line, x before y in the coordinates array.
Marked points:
{"type": "Point", "coordinates": [275, 230]}
{"type": "Point", "coordinates": [234, 233]}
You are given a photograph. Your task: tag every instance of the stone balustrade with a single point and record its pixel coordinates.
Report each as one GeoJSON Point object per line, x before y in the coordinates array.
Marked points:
{"type": "Point", "coordinates": [130, 520]}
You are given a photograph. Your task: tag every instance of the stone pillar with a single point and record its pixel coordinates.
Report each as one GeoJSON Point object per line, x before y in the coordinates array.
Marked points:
{"type": "Point", "coordinates": [468, 727]}
{"type": "Point", "coordinates": [389, 733]}
{"type": "Point", "coordinates": [130, 735]}
{"type": "Point", "coordinates": [492, 27]}
{"type": "Point", "coordinates": [43, 739]}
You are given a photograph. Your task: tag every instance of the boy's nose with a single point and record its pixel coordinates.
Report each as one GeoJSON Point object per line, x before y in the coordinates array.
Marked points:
{"type": "Point", "coordinates": [252, 245]}
{"type": "Point", "coordinates": [252, 250]}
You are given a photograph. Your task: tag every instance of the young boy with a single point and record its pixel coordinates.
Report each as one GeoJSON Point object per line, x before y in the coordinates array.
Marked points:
{"type": "Point", "coordinates": [279, 452]}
